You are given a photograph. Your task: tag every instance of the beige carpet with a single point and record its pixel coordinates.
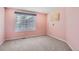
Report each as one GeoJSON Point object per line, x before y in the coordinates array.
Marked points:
{"type": "Point", "coordinates": [42, 43]}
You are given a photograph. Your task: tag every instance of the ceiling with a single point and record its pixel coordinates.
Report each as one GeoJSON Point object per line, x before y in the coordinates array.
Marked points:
{"type": "Point", "coordinates": [37, 9]}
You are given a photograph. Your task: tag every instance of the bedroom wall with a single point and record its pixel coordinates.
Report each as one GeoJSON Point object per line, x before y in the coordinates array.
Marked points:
{"type": "Point", "coordinates": [67, 28]}
{"type": "Point", "coordinates": [10, 25]}
{"type": "Point", "coordinates": [58, 29]}
{"type": "Point", "coordinates": [72, 27]}
{"type": "Point", "coordinates": [2, 35]}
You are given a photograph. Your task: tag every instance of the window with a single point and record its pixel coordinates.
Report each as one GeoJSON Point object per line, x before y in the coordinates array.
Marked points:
{"type": "Point", "coordinates": [25, 22]}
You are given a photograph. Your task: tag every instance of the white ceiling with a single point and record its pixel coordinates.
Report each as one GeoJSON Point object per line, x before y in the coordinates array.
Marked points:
{"type": "Point", "coordinates": [37, 9]}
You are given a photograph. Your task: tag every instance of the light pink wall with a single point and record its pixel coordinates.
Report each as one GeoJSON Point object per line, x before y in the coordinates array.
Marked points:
{"type": "Point", "coordinates": [1, 25]}
{"type": "Point", "coordinates": [72, 29]}
{"type": "Point", "coordinates": [58, 30]}
{"type": "Point", "coordinates": [67, 28]}
{"type": "Point", "coordinates": [10, 25]}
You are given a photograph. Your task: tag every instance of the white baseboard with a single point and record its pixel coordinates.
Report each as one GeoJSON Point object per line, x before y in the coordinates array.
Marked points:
{"type": "Point", "coordinates": [24, 37]}
{"type": "Point", "coordinates": [70, 46]}
{"type": "Point", "coordinates": [57, 37]}
{"type": "Point", "coordinates": [61, 40]}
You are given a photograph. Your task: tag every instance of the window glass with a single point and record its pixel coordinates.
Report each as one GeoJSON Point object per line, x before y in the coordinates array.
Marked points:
{"type": "Point", "coordinates": [25, 22]}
